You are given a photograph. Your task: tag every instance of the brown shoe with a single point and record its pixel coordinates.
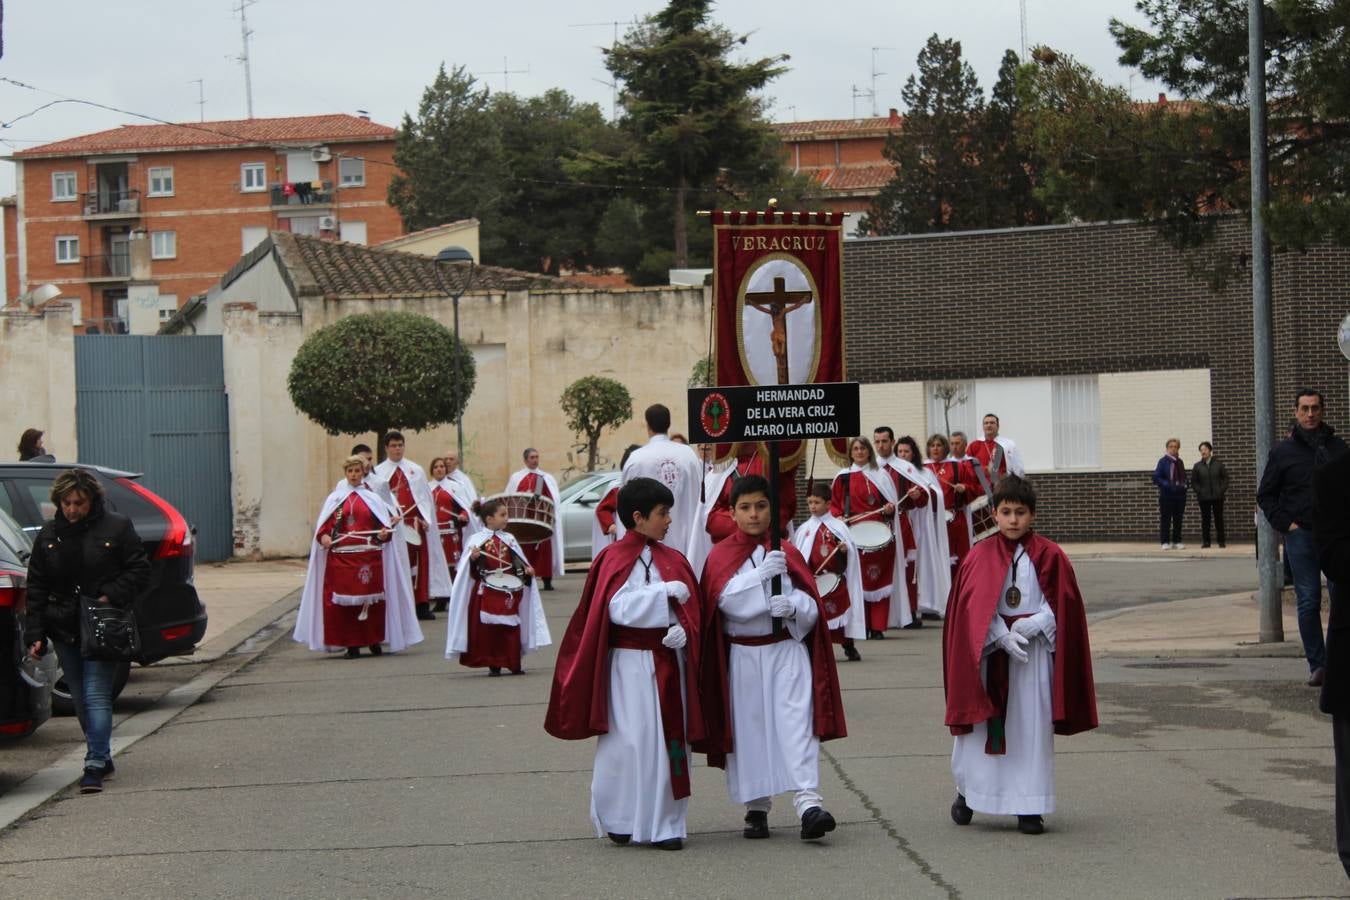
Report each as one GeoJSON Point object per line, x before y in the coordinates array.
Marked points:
{"type": "Point", "coordinates": [1318, 676]}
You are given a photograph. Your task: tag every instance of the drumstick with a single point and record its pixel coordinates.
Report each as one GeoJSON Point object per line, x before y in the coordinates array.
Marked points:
{"type": "Point", "coordinates": [826, 561]}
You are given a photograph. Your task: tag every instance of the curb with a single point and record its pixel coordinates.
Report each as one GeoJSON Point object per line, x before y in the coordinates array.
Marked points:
{"type": "Point", "coordinates": [45, 784]}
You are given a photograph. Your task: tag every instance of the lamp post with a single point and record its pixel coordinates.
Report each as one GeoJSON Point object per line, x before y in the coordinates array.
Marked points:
{"type": "Point", "coordinates": [457, 257]}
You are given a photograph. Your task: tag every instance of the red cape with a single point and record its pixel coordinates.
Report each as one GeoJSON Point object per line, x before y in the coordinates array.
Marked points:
{"type": "Point", "coordinates": [827, 704]}
{"type": "Point", "coordinates": [973, 603]}
{"type": "Point", "coordinates": [578, 706]}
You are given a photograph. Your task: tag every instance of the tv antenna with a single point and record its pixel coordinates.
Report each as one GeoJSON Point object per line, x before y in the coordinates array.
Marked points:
{"type": "Point", "coordinates": [201, 97]}
{"type": "Point", "coordinates": [613, 85]}
{"type": "Point", "coordinates": [242, 9]}
{"type": "Point", "coordinates": [506, 72]}
{"type": "Point", "coordinates": [1023, 10]}
{"type": "Point", "coordinates": [869, 93]}
{"type": "Point", "coordinates": [875, 76]}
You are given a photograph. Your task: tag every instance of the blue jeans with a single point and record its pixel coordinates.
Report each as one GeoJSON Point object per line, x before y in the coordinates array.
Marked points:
{"type": "Point", "coordinates": [90, 684]}
{"type": "Point", "coordinates": [1301, 552]}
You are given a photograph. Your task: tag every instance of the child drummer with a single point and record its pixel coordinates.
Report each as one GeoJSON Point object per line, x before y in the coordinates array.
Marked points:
{"type": "Point", "coordinates": [495, 613]}
{"type": "Point", "coordinates": [830, 553]}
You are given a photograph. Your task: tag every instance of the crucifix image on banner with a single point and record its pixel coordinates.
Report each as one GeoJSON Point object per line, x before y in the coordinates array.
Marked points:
{"type": "Point", "coordinates": [779, 322]}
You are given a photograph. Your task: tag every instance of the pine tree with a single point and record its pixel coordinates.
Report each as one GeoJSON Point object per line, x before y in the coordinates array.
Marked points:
{"type": "Point", "coordinates": [1008, 174]}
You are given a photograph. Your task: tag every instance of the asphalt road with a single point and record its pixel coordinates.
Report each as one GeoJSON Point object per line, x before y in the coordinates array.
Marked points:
{"type": "Point", "coordinates": [304, 775]}
{"type": "Point", "coordinates": [1114, 583]}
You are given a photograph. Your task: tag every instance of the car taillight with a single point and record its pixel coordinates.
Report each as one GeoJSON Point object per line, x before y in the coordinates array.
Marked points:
{"type": "Point", "coordinates": [11, 591]}
{"type": "Point", "coordinates": [177, 538]}
{"type": "Point", "coordinates": [175, 633]}
{"type": "Point", "coordinates": [23, 726]}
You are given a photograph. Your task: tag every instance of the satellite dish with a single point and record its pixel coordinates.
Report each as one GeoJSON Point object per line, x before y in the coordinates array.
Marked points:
{"type": "Point", "coordinates": [1343, 337]}
{"type": "Point", "coordinates": [40, 294]}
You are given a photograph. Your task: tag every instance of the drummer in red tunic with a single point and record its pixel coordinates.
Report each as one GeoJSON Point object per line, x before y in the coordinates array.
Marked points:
{"type": "Point", "coordinates": [546, 554]}
{"type": "Point", "coordinates": [863, 493]}
{"type": "Point", "coordinates": [451, 518]}
{"type": "Point", "coordinates": [495, 616]}
{"type": "Point", "coordinates": [959, 486]}
{"type": "Point", "coordinates": [824, 541]}
{"type": "Point", "coordinates": [357, 590]}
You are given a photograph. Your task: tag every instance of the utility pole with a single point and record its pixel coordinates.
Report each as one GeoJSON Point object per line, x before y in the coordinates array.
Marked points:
{"type": "Point", "coordinates": [242, 9]}
{"type": "Point", "coordinates": [201, 98]}
{"type": "Point", "coordinates": [1263, 355]}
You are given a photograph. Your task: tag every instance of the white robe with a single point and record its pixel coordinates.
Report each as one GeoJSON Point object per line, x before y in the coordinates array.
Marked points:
{"type": "Point", "coordinates": [438, 571]}
{"type": "Point", "coordinates": [899, 589]}
{"type": "Point", "coordinates": [470, 494]}
{"type": "Point", "coordinates": [534, 631]}
{"type": "Point", "coordinates": [1011, 455]}
{"type": "Point", "coordinates": [853, 621]}
{"type": "Point", "coordinates": [513, 485]}
{"type": "Point", "coordinates": [1020, 782]}
{"type": "Point", "coordinates": [678, 467]}
{"type": "Point", "coordinates": [630, 786]}
{"type": "Point", "coordinates": [775, 748]}
{"type": "Point", "coordinates": [465, 499]}
{"type": "Point", "coordinates": [400, 620]}
{"type": "Point", "coordinates": [932, 558]}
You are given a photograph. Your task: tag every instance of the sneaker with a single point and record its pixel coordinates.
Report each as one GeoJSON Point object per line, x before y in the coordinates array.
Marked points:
{"type": "Point", "coordinates": [1167, 546]}
{"type": "Point", "coordinates": [1178, 546]}
{"type": "Point", "coordinates": [91, 782]}
{"type": "Point", "coordinates": [109, 770]}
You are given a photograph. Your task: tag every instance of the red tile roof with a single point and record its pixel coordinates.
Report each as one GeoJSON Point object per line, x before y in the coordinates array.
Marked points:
{"type": "Point", "coordinates": [854, 180]}
{"type": "Point", "coordinates": [821, 129]}
{"type": "Point", "coordinates": [210, 135]}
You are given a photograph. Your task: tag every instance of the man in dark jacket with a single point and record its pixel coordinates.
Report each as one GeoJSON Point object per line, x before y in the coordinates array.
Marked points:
{"type": "Point", "coordinates": [87, 551]}
{"type": "Point", "coordinates": [1331, 524]}
{"type": "Point", "coordinates": [1286, 498]}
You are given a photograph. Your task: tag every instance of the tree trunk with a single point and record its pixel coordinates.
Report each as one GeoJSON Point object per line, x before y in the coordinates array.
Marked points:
{"type": "Point", "coordinates": [592, 450]}
{"type": "Point", "coordinates": [379, 445]}
{"type": "Point", "coordinates": [681, 227]}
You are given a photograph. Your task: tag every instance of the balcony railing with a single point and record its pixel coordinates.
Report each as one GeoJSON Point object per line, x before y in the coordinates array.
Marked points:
{"type": "Point", "coordinates": [300, 195]}
{"type": "Point", "coordinates": [109, 265]}
{"type": "Point", "coordinates": [104, 203]}
{"type": "Point", "coordinates": [104, 325]}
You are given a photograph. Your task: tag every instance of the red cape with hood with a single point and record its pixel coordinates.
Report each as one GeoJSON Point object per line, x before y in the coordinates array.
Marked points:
{"type": "Point", "coordinates": [578, 707]}
{"type": "Point", "coordinates": [826, 703]}
{"type": "Point", "coordinates": [973, 603]}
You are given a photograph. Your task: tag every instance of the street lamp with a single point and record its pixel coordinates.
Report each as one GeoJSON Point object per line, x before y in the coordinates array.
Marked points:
{"type": "Point", "coordinates": [457, 258]}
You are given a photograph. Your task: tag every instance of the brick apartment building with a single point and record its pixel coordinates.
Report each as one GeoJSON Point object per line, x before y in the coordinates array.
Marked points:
{"type": "Point", "coordinates": [197, 195]}
{"type": "Point", "coordinates": [845, 158]}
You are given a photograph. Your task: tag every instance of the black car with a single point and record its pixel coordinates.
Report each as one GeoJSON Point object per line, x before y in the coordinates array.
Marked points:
{"type": "Point", "coordinates": [169, 613]}
{"type": "Point", "coordinates": [25, 686]}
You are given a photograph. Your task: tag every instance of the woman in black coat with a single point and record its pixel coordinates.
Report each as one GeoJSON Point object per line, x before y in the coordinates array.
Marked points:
{"type": "Point", "coordinates": [1209, 480]}
{"type": "Point", "coordinates": [85, 550]}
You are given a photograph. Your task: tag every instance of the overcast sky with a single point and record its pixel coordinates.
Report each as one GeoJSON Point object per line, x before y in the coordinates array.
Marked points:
{"type": "Point", "coordinates": [320, 56]}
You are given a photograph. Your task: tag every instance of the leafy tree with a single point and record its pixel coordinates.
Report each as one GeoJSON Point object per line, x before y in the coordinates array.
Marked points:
{"type": "Point", "coordinates": [377, 371]}
{"type": "Point", "coordinates": [593, 404]}
{"type": "Point", "coordinates": [693, 114]}
{"type": "Point", "coordinates": [950, 395]}
{"type": "Point", "coordinates": [619, 237]}
{"type": "Point", "coordinates": [936, 152]}
{"type": "Point", "coordinates": [1008, 174]}
{"type": "Point", "coordinates": [449, 158]}
{"type": "Point", "coordinates": [703, 374]}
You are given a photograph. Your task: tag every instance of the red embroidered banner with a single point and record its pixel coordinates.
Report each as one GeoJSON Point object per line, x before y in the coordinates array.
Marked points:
{"type": "Point", "coordinates": [778, 306]}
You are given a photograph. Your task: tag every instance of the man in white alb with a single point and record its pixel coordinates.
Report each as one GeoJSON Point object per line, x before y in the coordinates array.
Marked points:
{"type": "Point", "coordinates": [676, 466]}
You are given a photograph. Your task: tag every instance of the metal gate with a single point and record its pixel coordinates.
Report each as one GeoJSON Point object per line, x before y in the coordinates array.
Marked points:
{"type": "Point", "coordinates": [157, 405]}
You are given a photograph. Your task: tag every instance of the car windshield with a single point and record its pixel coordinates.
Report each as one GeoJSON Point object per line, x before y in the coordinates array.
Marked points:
{"type": "Point", "coordinates": [583, 483]}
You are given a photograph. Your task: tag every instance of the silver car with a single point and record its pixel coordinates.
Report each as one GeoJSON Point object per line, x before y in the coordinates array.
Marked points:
{"type": "Point", "coordinates": [576, 511]}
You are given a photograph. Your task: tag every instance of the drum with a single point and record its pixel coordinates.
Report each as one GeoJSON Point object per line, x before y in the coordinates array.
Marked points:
{"type": "Point", "coordinates": [871, 536]}
{"type": "Point", "coordinates": [826, 582]}
{"type": "Point", "coordinates": [504, 582]}
{"type": "Point", "coordinates": [410, 534]}
{"type": "Point", "coordinates": [529, 517]}
{"type": "Point", "coordinates": [982, 519]}
{"type": "Point", "coordinates": [950, 516]}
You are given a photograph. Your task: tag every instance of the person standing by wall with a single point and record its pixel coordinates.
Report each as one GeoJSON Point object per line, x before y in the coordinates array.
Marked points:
{"type": "Point", "coordinates": [1286, 498]}
{"type": "Point", "coordinates": [1331, 526]}
{"type": "Point", "coordinates": [1170, 477]}
{"type": "Point", "coordinates": [1209, 477]}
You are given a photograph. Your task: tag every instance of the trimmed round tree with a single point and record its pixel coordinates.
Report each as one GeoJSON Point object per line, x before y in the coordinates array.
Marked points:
{"type": "Point", "coordinates": [593, 404]}
{"type": "Point", "coordinates": [377, 371]}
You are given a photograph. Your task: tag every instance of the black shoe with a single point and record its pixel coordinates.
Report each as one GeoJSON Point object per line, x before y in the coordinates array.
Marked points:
{"type": "Point", "coordinates": [620, 839]}
{"type": "Point", "coordinates": [352, 653]}
{"type": "Point", "coordinates": [494, 671]}
{"type": "Point", "coordinates": [517, 671]}
{"type": "Point", "coordinates": [756, 824]}
{"type": "Point", "coordinates": [438, 606]}
{"type": "Point", "coordinates": [1318, 677]}
{"type": "Point", "coordinates": [548, 584]}
{"type": "Point", "coordinates": [876, 635]}
{"type": "Point", "coordinates": [1222, 545]}
{"type": "Point", "coordinates": [1030, 824]}
{"type": "Point", "coordinates": [91, 782]}
{"type": "Point", "coordinates": [424, 613]}
{"type": "Point", "coordinates": [961, 814]}
{"type": "Point", "coordinates": [816, 823]}
{"type": "Point", "coordinates": [851, 652]}
{"type": "Point", "coordinates": [669, 844]}
{"type": "Point", "coordinates": [917, 623]}
{"type": "Point", "coordinates": [376, 649]}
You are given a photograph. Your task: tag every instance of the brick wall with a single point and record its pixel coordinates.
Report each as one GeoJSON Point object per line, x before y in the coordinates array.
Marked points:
{"type": "Point", "coordinates": [1088, 300]}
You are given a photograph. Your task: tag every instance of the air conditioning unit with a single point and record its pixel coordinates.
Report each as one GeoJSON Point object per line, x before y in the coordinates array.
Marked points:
{"type": "Point", "coordinates": [328, 223]}
{"type": "Point", "coordinates": [320, 154]}
{"type": "Point", "coordinates": [91, 210]}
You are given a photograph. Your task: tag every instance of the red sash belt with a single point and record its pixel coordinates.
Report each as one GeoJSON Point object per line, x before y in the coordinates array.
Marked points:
{"type": "Point", "coordinates": [758, 640]}
{"type": "Point", "coordinates": [996, 686]}
{"type": "Point", "coordinates": [622, 637]}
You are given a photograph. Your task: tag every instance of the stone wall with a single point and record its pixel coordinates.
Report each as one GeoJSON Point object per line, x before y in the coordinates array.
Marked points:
{"type": "Point", "coordinates": [37, 379]}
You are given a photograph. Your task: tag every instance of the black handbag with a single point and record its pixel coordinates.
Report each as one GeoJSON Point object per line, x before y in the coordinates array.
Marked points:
{"type": "Point", "coordinates": [107, 632]}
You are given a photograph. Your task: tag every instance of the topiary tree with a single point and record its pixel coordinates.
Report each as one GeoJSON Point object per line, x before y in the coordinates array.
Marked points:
{"type": "Point", "coordinates": [377, 371]}
{"type": "Point", "coordinates": [593, 404]}
{"type": "Point", "coordinates": [703, 373]}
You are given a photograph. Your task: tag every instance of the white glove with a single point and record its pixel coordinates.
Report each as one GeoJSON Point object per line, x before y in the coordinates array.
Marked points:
{"type": "Point", "coordinates": [675, 637]}
{"type": "Point", "coordinates": [775, 563]}
{"type": "Point", "coordinates": [1012, 644]}
{"type": "Point", "coordinates": [1027, 627]}
{"type": "Point", "coordinates": [781, 607]}
{"type": "Point", "coordinates": [677, 591]}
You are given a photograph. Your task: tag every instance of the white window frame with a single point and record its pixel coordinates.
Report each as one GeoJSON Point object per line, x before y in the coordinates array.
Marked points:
{"type": "Point", "coordinates": [159, 252]}
{"type": "Point", "coordinates": [1077, 422]}
{"type": "Point", "coordinates": [60, 177]}
{"type": "Point", "coordinates": [156, 173]}
{"type": "Point", "coordinates": [168, 305]}
{"type": "Point", "coordinates": [244, 186]}
{"type": "Point", "coordinates": [345, 180]}
{"type": "Point", "coordinates": [68, 241]}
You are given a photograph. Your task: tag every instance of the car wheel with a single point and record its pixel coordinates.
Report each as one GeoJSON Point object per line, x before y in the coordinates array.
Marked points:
{"type": "Point", "coordinates": [62, 705]}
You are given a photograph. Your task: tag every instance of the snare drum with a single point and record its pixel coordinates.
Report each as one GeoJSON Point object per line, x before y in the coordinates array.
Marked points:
{"type": "Point", "coordinates": [504, 582]}
{"type": "Point", "coordinates": [871, 536]}
{"type": "Point", "coordinates": [982, 518]}
{"type": "Point", "coordinates": [530, 517]}
{"type": "Point", "coordinates": [826, 583]}
{"type": "Point", "coordinates": [410, 534]}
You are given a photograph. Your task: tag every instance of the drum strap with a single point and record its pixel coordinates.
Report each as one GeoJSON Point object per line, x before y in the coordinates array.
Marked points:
{"type": "Point", "coordinates": [848, 495]}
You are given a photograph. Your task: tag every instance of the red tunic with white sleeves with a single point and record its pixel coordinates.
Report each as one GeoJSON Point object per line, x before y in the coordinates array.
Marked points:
{"type": "Point", "coordinates": [353, 578]}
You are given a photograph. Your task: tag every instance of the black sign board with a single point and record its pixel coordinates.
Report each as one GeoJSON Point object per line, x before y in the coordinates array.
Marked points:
{"type": "Point", "coordinates": [786, 412]}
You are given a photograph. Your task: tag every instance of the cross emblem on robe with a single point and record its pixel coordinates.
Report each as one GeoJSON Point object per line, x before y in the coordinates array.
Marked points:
{"type": "Point", "coordinates": [777, 304]}
{"type": "Point", "coordinates": [676, 752]}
